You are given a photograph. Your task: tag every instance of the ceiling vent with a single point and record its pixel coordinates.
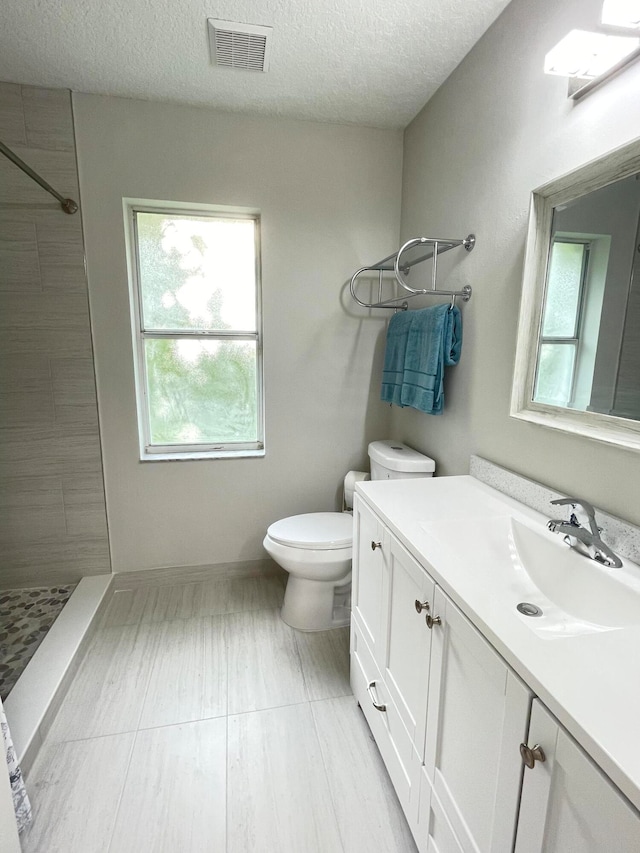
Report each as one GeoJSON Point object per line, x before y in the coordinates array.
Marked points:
{"type": "Point", "coordinates": [244, 46]}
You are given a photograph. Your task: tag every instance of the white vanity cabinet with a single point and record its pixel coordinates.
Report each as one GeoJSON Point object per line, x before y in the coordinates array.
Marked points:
{"type": "Point", "coordinates": [447, 713]}
{"type": "Point", "coordinates": [568, 805]}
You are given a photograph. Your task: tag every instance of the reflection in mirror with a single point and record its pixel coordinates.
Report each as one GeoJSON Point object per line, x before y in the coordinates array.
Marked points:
{"type": "Point", "coordinates": [577, 362]}
{"type": "Point", "coordinates": [588, 354]}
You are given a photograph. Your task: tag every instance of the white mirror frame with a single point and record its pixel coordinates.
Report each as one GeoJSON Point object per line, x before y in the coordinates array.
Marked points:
{"type": "Point", "coordinates": [618, 164]}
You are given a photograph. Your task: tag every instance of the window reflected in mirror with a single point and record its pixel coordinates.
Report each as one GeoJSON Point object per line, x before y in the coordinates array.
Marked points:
{"type": "Point", "coordinates": [588, 347]}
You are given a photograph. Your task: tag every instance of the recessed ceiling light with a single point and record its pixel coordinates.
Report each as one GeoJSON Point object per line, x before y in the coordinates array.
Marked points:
{"type": "Point", "coordinates": [235, 45]}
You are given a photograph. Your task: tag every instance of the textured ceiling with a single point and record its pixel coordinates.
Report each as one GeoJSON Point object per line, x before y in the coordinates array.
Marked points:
{"type": "Point", "coordinates": [365, 62]}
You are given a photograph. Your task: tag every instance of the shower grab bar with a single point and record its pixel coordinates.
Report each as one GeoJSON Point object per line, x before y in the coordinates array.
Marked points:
{"type": "Point", "coordinates": [393, 263]}
{"type": "Point", "coordinates": [67, 204]}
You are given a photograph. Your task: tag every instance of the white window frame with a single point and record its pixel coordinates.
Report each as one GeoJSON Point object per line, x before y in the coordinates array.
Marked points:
{"type": "Point", "coordinates": [574, 340]}
{"type": "Point", "coordinates": [164, 452]}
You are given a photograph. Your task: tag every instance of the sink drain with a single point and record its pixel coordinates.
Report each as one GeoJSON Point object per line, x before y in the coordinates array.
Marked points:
{"type": "Point", "coordinates": [528, 609]}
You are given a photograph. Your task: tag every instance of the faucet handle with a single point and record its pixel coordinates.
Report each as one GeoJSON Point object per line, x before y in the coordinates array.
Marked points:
{"type": "Point", "coordinates": [586, 506]}
{"type": "Point", "coordinates": [573, 530]}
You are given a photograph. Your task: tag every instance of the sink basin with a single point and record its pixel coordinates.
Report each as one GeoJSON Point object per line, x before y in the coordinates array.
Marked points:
{"type": "Point", "coordinates": [511, 559]}
{"type": "Point", "coordinates": [576, 584]}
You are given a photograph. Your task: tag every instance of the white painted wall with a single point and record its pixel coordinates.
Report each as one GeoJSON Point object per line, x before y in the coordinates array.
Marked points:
{"type": "Point", "coordinates": [496, 130]}
{"type": "Point", "coordinates": [330, 201]}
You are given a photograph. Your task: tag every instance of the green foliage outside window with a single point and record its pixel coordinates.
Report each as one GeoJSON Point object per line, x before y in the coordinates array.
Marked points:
{"type": "Point", "coordinates": [201, 389]}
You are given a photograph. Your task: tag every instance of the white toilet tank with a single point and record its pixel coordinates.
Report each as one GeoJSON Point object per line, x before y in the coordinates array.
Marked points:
{"type": "Point", "coordinates": [392, 460]}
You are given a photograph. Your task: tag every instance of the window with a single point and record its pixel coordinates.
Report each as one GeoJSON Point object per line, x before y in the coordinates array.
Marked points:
{"type": "Point", "coordinates": [559, 342]}
{"type": "Point", "coordinates": [195, 297]}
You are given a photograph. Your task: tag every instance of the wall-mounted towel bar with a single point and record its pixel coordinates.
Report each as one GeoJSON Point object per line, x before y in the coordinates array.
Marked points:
{"type": "Point", "coordinates": [430, 248]}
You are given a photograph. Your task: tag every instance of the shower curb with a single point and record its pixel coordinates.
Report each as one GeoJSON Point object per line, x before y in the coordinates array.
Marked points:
{"type": "Point", "coordinates": [36, 697]}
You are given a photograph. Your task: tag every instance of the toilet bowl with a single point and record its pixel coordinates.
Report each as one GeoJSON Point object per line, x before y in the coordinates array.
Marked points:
{"type": "Point", "coordinates": [315, 548]}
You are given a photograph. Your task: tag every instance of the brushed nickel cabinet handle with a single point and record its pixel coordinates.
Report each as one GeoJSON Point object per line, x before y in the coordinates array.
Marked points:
{"type": "Point", "coordinates": [422, 605]}
{"type": "Point", "coordinates": [377, 705]}
{"type": "Point", "coordinates": [375, 545]}
{"type": "Point", "coordinates": [531, 755]}
{"type": "Point", "coordinates": [433, 620]}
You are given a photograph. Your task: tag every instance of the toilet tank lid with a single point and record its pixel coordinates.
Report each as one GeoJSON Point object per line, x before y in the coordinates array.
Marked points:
{"type": "Point", "coordinates": [314, 530]}
{"type": "Point", "coordinates": [399, 457]}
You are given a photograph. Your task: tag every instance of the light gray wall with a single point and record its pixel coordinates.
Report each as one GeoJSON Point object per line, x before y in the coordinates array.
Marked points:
{"type": "Point", "coordinates": [52, 512]}
{"type": "Point", "coordinates": [330, 201]}
{"type": "Point", "coordinates": [496, 130]}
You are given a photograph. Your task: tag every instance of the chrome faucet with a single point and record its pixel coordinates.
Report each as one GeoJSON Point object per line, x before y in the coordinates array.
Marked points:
{"type": "Point", "coordinates": [586, 542]}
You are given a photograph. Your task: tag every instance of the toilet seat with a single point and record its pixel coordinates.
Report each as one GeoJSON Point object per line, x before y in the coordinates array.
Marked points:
{"type": "Point", "coordinates": [314, 531]}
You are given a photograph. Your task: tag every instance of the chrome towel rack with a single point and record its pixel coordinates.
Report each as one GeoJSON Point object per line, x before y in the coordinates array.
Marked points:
{"type": "Point", "coordinates": [395, 263]}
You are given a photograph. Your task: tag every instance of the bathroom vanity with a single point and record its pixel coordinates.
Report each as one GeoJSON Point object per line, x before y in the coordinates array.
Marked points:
{"type": "Point", "coordinates": [461, 690]}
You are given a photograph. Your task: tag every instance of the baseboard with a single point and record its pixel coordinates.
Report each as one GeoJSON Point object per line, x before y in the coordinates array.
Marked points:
{"type": "Point", "coordinates": [172, 575]}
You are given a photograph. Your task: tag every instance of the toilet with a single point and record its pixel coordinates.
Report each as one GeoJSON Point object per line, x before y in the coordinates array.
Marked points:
{"type": "Point", "coordinates": [315, 548]}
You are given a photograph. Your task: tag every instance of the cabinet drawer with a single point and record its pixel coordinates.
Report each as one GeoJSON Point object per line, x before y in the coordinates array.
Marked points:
{"type": "Point", "coordinates": [390, 735]}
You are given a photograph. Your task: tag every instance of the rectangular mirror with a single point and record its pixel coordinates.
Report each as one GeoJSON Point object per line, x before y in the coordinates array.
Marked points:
{"type": "Point", "coordinates": [578, 351]}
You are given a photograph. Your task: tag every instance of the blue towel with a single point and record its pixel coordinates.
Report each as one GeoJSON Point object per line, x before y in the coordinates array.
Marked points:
{"type": "Point", "coordinates": [419, 346]}
{"type": "Point", "coordinates": [394, 356]}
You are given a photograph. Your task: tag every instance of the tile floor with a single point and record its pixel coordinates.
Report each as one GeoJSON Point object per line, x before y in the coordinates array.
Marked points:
{"type": "Point", "coordinates": [200, 723]}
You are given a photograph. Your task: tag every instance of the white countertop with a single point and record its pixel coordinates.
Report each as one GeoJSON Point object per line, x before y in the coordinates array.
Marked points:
{"type": "Point", "coordinates": [588, 677]}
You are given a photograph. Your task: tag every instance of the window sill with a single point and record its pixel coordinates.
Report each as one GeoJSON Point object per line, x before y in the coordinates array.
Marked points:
{"type": "Point", "coordinates": [190, 456]}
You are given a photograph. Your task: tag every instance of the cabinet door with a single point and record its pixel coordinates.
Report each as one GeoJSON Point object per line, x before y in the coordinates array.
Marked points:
{"type": "Point", "coordinates": [369, 574]}
{"type": "Point", "coordinates": [407, 639]}
{"type": "Point", "coordinates": [434, 833]}
{"type": "Point", "coordinates": [478, 712]}
{"type": "Point", "coordinates": [568, 805]}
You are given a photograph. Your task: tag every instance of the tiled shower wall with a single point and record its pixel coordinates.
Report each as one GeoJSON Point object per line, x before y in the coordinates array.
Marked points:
{"type": "Point", "coordinates": [53, 526]}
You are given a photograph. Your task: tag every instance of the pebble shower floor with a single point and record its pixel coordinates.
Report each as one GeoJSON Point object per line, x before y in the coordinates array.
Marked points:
{"type": "Point", "coordinates": [25, 617]}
